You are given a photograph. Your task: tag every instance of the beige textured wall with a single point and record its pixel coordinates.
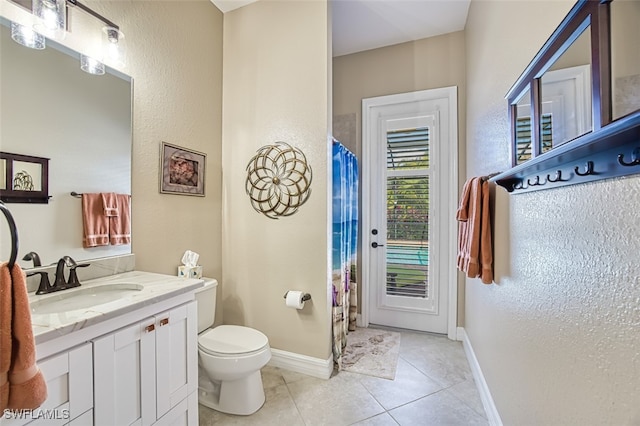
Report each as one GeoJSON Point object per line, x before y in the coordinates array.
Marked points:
{"type": "Point", "coordinates": [557, 336]}
{"type": "Point", "coordinates": [175, 51]}
{"type": "Point", "coordinates": [276, 61]}
{"type": "Point", "coordinates": [424, 64]}
{"type": "Point", "coordinates": [175, 59]}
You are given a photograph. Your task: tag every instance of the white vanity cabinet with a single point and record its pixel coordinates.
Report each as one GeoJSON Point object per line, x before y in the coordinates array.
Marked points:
{"type": "Point", "coordinates": [147, 372]}
{"type": "Point", "coordinates": [69, 377]}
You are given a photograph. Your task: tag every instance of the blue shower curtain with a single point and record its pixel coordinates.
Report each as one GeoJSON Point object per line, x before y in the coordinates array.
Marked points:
{"type": "Point", "coordinates": [345, 241]}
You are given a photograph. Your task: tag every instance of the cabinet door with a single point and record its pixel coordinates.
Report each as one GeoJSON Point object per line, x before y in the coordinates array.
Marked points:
{"type": "Point", "coordinates": [185, 413]}
{"type": "Point", "coordinates": [176, 356]}
{"type": "Point", "coordinates": [69, 378]}
{"type": "Point", "coordinates": [83, 420]}
{"type": "Point", "coordinates": [125, 383]}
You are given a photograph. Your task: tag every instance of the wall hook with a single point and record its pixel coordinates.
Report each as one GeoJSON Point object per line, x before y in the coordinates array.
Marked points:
{"type": "Point", "coordinates": [635, 158]}
{"type": "Point", "coordinates": [588, 169]}
{"type": "Point", "coordinates": [558, 177]}
{"type": "Point", "coordinates": [536, 182]}
{"type": "Point", "coordinates": [519, 185]}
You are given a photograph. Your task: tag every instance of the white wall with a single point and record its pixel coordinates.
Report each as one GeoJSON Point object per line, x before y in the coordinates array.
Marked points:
{"type": "Point", "coordinates": [557, 336]}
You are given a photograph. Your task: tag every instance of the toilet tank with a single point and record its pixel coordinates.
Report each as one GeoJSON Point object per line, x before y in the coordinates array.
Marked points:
{"type": "Point", "coordinates": [206, 299]}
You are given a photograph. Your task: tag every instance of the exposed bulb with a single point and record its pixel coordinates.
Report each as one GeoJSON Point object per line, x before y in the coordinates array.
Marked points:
{"type": "Point", "coordinates": [91, 65]}
{"type": "Point", "coordinates": [52, 17]}
{"type": "Point", "coordinates": [27, 36]}
{"type": "Point", "coordinates": [114, 46]}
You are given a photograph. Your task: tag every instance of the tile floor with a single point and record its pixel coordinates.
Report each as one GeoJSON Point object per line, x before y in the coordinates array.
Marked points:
{"type": "Point", "coordinates": [433, 386]}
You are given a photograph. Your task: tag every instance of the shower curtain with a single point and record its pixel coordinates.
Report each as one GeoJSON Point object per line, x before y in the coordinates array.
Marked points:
{"type": "Point", "coordinates": [344, 253]}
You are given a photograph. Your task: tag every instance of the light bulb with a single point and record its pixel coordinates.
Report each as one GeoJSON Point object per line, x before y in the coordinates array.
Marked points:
{"type": "Point", "coordinates": [27, 36]}
{"type": "Point", "coordinates": [52, 17]}
{"type": "Point", "coordinates": [91, 65]}
{"type": "Point", "coordinates": [114, 46]}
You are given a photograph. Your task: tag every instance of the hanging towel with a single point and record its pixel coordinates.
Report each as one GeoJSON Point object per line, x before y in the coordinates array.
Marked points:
{"type": "Point", "coordinates": [5, 334]}
{"type": "Point", "coordinates": [120, 223]}
{"type": "Point", "coordinates": [26, 385]}
{"type": "Point", "coordinates": [475, 256]}
{"type": "Point", "coordinates": [110, 203]}
{"type": "Point", "coordinates": [95, 223]}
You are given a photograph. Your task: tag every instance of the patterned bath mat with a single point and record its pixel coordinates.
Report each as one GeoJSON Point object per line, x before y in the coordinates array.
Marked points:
{"type": "Point", "coordinates": [372, 352]}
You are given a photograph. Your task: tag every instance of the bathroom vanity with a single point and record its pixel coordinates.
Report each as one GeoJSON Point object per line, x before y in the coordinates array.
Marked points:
{"type": "Point", "coordinates": [120, 350]}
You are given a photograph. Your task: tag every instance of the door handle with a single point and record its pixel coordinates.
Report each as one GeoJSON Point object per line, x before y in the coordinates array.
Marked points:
{"type": "Point", "coordinates": [376, 245]}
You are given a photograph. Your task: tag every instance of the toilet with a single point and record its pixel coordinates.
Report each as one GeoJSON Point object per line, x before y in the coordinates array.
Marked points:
{"type": "Point", "coordinates": [229, 360]}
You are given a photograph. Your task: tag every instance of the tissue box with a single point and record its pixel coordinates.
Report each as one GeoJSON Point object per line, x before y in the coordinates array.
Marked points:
{"type": "Point", "coordinates": [190, 271]}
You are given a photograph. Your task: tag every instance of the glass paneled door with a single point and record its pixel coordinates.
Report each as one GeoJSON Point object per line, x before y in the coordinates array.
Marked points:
{"type": "Point", "coordinates": [408, 235]}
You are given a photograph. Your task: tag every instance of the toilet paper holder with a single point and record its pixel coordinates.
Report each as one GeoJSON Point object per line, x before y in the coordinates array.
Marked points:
{"type": "Point", "coordinates": [305, 296]}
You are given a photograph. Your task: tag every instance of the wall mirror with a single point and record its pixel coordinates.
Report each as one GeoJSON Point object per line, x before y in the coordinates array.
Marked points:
{"type": "Point", "coordinates": [575, 110]}
{"type": "Point", "coordinates": [51, 109]}
{"type": "Point", "coordinates": [625, 57]}
{"type": "Point", "coordinates": [523, 127]}
{"type": "Point", "coordinates": [24, 178]}
{"type": "Point", "coordinates": [565, 95]}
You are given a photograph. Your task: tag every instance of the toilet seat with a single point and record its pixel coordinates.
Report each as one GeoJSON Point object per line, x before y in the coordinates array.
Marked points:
{"type": "Point", "coordinates": [231, 341]}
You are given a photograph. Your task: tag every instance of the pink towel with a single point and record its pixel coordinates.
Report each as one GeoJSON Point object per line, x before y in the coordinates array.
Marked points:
{"type": "Point", "coordinates": [110, 203]}
{"type": "Point", "coordinates": [120, 223]}
{"type": "Point", "coordinates": [475, 255]}
{"type": "Point", "coordinates": [95, 223]}
{"type": "Point", "coordinates": [22, 385]}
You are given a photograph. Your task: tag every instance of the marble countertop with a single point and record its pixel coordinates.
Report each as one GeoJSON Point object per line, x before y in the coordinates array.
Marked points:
{"type": "Point", "coordinates": [155, 288]}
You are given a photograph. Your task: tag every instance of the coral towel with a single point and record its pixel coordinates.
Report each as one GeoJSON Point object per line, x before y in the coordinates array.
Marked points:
{"type": "Point", "coordinates": [109, 203]}
{"type": "Point", "coordinates": [475, 255]}
{"type": "Point", "coordinates": [22, 385]}
{"type": "Point", "coordinates": [95, 223]}
{"type": "Point", "coordinates": [106, 219]}
{"type": "Point", "coordinates": [120, 223]}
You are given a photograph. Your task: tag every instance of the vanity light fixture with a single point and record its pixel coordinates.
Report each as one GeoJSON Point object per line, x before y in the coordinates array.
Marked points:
{"type": "Point", "coordinates": [51, 21]}
{"type": "Point", "coordinates": [113, 45]}
{"type": "Point", "coordinates": [91, 65]}
{"type": "Point", "coordinates": [27, 36]}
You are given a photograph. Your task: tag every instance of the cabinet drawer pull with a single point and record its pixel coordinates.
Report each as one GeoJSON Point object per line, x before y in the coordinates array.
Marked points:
{"type": "Point", "coordinates": [150, 328]}
{"type": "Point", "coordinates": [164, 321]}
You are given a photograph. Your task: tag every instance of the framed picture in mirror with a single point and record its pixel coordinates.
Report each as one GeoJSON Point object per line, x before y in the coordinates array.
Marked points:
{"type": "Point", "coordinates": [181, 170]}
{"type": "Point", "coordinates": [24, 178]}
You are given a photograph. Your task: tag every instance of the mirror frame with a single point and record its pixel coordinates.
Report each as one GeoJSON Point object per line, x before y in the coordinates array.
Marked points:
{"type": "Point", "coordinates": [596, 155]}
{"type": "Point", "coordinates": [10, 195]}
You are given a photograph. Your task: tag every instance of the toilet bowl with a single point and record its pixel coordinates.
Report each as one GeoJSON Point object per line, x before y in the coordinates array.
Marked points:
{"type": "Point", "coordinates": [229, 360]}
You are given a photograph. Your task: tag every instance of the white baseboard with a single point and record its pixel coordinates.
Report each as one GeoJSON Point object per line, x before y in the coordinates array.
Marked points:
{"type": "Point", "coordinates": [315, 367]}
{"type": "Point", "coordinates": [485, 395]}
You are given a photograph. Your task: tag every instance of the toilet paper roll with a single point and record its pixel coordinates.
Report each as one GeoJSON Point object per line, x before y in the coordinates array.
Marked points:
{"type": "Point", "coordinates": [294, 299]}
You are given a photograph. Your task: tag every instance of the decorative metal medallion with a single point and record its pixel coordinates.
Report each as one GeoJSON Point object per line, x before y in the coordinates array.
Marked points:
{"type": "Point", "coordinates": [23, 181]}
{"type": "Point", "coordinates": [278, 180]}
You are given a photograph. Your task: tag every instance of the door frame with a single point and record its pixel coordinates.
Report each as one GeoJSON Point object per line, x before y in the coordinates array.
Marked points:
{"type": "Point", "coordinates": [449, 199]}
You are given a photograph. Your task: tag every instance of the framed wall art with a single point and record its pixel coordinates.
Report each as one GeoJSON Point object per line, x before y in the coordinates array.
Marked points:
{"type": "Point", "coordinates": [24, 178]}
{"type": "Point", "coordinates": [181, 170]}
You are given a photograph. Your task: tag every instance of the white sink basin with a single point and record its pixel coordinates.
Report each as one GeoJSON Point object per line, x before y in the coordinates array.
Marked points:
{"type": "Point", "coordinates": [83, 297]}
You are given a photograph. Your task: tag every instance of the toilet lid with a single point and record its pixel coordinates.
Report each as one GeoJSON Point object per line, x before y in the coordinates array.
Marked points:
{"type": "Point", "coordinates": [232, 339]}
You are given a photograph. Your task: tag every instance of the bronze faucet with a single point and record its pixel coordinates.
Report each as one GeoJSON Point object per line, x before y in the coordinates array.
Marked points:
{"type": "Point", "coordinates": [60, 283]}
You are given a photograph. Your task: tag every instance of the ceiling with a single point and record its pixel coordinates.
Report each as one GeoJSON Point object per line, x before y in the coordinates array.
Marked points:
{"type": "Point", "coordinates": [360, 25]}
